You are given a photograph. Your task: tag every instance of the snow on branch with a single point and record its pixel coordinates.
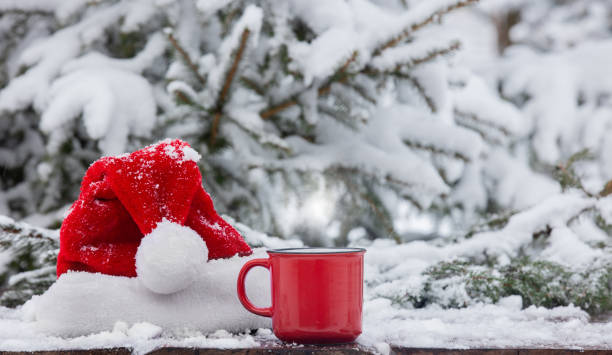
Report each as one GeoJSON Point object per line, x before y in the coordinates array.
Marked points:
{"type": "Point", "coordinates": [426, 13]}
{"type": "Point", "coordinates": [185, 56]}
{"type": "Point", "coordinates": [246, 29]}
{"type": "Point", "coordinates": [12, 231]}
{"type": "Point", "coordinates": [61, 9]}
{"type": "Point", "coordinates": [46, 58]}
{"type": "Point", "coordinates": [223, 95]}
{"type": "Point", "coordinates": [418, 130]}
{"type": "Point", "coordinates": [33, 253]}
{"type": "Point", "coordinates": [377, 147]}
{"type": "Point", "coordinates": [411, 54]}
{"type": "Point", "coordinates": [554, 213]}
{"type": "Point", "coordinates": [476, 106]}
{"type": "Point", "coordinates": [339, 77]}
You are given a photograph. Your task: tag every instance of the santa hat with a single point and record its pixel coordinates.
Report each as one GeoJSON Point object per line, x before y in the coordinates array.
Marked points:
{"type": "Point", "coordinates": [124, 198]}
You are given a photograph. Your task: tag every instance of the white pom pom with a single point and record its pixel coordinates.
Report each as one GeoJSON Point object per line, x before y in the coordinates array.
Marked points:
{"type": "Point", "coordinates": [169, 259]}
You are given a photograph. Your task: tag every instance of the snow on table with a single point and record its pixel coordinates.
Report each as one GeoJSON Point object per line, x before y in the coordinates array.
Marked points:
{"type": "Point", "coordinates": [503, 325]}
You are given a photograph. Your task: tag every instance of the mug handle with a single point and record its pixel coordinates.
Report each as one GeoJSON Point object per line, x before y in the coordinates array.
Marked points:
{"type": "Point", "coordinates": [266, 312]}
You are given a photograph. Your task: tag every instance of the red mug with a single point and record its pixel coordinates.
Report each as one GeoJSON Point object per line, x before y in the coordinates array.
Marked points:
{"type": "Point", "coordinates": [317, 293]}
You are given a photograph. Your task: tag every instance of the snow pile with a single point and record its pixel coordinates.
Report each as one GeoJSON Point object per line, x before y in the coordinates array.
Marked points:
{"type": "Point", "coordinates": [82, 303]}
{"type": "Point", "coordinates": [503, 325]}
{"type": "Point", "coordinates": [142, 337]}
{"type": "Point", "coordinates": [112, 96]}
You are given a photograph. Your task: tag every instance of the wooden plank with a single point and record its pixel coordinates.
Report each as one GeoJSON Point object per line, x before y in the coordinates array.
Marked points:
{"type": "Point", "coordinates": [349, 349]}
{"type": "Point", "coordinates": [113, 351]}
{"type": "Point", "coordinates": [416, 351]}
{"type": "Point", "coordinates": [563, 352]}
{"type": "Point", "coordinates": [285, 350]}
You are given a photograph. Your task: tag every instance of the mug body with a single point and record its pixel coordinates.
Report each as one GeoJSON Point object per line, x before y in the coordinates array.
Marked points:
{"type": "Point", "coordinates": [317, 294]}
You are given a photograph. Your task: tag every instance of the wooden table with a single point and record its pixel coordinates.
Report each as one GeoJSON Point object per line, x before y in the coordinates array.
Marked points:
{"type": "Point", "coordinates": [312, 349]}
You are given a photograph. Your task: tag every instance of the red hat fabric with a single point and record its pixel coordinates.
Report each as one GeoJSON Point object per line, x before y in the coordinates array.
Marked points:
{"type": "Point", "coordinates": [123, 198]}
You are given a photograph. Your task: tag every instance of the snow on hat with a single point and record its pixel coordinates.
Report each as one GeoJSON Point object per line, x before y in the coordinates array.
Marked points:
{"type": "Point", "coordinates": [124, 198]}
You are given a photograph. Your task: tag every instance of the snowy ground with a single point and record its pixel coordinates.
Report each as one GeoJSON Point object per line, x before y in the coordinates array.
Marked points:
{"type": "Point", "coordinates": [479, 326]}
{"type": "Point", "coordinates": [504, 324]}
{"type": "Point", "coordinates": [486, 326]}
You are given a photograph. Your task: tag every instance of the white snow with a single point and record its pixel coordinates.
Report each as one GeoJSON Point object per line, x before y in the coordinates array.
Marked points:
{"type": "Point", "coordinates": [517, 186]}
{"type": "Point", "coordinates": [81, 303]}
{"type": "Point", "coordinates": [141, 330]}
{"type": "Point", "coordinates": [554, 212]}
{"type": "Point", "coordinates": [86, 311]}
{"type": "Point", "coordinates": [475, 98]}
{"type": "Point", "coordinates": [62, 9]}
{"type": "Point", "coordinates": [170, 151]}
{"type": "Point", "coordinates": [113, 103]}
{"type": "Point", "coordinates": [567, 249]}
{"type": "Point", "coordinates": [190, 154]}
{"type": "Point", "coordinates": [482, 326]}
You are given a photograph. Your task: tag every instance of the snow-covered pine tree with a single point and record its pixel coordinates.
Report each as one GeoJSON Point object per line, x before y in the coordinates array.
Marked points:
{"type": "Point", "coordinates": [27, 261]}
{"type": "Point", "coordinates": [49, 50]}
{"type": "Point", "coordinates": [298, 112]}
{"type": "Point", "coordinates": [302, 117]}
{"type": "Point", "coordinates": [556, 251]}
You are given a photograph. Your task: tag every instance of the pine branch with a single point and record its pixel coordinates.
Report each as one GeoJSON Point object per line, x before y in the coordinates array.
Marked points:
{"type": "Point", "coordinates": [373, 206]}
{"type": "Point", "coordinates": [223, 95]}
{"type": "Point", "coordinates": [332, 169]}
{"type": "Point", "coordinates": [454, 45]}
{"type": "Point", "coordinates": [495, 222]}
{"type": "Point", "coordinates": [607, 190]}
{"type": "Point", "coordinates": [340, 76]}
{"type": "Point", "coordinates": [417, 26]}
{"type": "Point", "coordinates": [474, 118]}
{"type": "Point", "coordinates": [232, 72]}
{"type": "Point", "coordinates": [361, 91]}
{"type": "Point", "coordinates": [214, 128]}
{"type": "Point", "coordinates": [190, 64]}
{"type": "Point", "coordinates": [9, 228]}
{"type": "Point", "coordinates": [567, 176]}
{"type": "Point", "coordinates": [413, 62]}
{"type": "Point", "coordinates": [437, 150]}
{"type": "Point", "coordinates": [184, 99]}
{"type": "Point", "coordinates": [421, 90]}
{"type": "Point", "coordinates": [31, 266]}
{"type": "Point", "coordinates": [17, 11]}
{"type": "Point", "coordinates": [473, 125]}
{"type": "Point", "coordinates": [259, 137]}
{"type": "Point", "coordinates": [253, 85]}
{"type": "Point", "coordinates": [271, 111]}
